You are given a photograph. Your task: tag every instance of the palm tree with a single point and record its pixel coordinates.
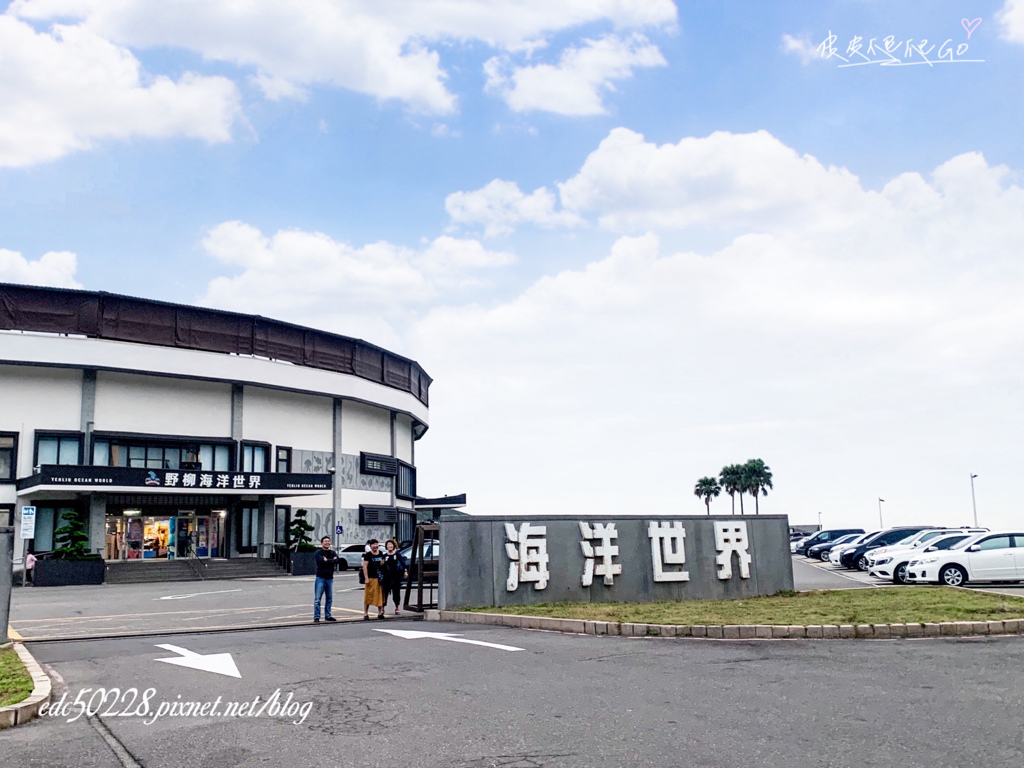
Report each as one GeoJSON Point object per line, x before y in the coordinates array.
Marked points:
{"type": "Point", "coordinates": [731, 478]}
{"type": "Point", "coordinates": [707, 488]}
{"type": "Point", "coordinates": [757, 479]}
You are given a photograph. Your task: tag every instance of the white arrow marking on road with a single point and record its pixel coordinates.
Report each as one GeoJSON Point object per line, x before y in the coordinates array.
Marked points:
{"type": "Point", "coordinates": [409, 634]}
{"type": "Point", "coordinates": [218, 663]}
{"type": "Point", "coordinates": [197, 594]}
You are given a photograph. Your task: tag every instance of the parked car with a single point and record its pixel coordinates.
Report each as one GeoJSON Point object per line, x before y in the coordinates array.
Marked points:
{"type": "Point", "coordinates": [822, 537]}
{"type": "Point", "coordinates": [837, 552]}
{"type": "Point", "coordinates": [431, 551]}
{"type": "Point", "coordinates": [914, 540]}
{"type": "Point", "coordinates": [893, 561]}
{"type": "Point", "coordinates": [995, 556]}
{"type": "Point", "coordinates": [856, 557]}
{"type": "Point", "coordinates": [794, 543]}
{"type": "Point", "coordinates": [820, 551]}
{"type": "Point", "coordinates": [351, 557]}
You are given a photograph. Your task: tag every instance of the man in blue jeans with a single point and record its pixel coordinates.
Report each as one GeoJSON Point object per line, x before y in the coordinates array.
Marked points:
{"type": "Point", "coordinates": [326, 560]}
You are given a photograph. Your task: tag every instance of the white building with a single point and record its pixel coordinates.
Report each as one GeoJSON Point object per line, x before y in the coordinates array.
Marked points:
{"type": "Point", "coordinates": [175, 430]}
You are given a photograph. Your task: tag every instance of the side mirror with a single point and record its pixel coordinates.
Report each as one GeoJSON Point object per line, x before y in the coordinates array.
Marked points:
{"type": "Point", "coordinates": [974, 548]}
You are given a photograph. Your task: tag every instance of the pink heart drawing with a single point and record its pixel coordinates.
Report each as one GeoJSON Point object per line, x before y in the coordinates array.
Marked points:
{"type": "Point", "coordinates": [970, 26]}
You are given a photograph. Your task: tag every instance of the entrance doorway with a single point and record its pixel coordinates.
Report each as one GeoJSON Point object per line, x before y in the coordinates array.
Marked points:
{"type": "Point", "coordinates": [137, 534]}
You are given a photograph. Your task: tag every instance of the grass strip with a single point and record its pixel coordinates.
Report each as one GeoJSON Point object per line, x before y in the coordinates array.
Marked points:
{"type": "Point", "coordinates": [848, 606]}
{"type": "Point", "coordinates": [15, 681]}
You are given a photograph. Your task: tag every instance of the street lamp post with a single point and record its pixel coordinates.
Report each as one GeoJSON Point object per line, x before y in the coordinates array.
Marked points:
{"type": "Point", "coordinates": [973, 502]}
{"type": "Point", "coordinates": [819, 521]}
{"type": "Point", "coordinates": [880, 523]}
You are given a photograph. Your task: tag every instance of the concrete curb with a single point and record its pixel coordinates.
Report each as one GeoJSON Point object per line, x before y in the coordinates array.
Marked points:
{"type": "Point", "coordinates": [736, 631]}
{"type": "Point", "coordinates": [23, 711]}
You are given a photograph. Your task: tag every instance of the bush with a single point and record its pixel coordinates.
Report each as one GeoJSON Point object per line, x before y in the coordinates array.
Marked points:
{"type": "Point", "coordinates": [72, 542]}
{"type": "Point", "coordinates": [298, 533]}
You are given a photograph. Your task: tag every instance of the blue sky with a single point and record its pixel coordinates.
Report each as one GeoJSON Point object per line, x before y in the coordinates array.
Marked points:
{"type": "Point", "coordinates": [703, 172]}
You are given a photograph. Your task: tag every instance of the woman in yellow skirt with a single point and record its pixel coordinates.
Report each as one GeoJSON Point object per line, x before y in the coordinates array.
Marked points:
{"type": "Point", "coordinates": [373, 594]}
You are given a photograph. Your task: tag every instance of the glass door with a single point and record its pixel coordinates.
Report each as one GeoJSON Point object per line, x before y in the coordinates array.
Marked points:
{"type": "Point", "coordinates": [203, 538]}
{"type": "Point", "coordinates": [186, 536]}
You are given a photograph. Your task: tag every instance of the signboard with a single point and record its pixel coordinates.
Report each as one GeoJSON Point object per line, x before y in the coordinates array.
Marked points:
{"type": "Point", "coordinates": [527, 560]}
{"type": "Point", "coordinates": [28, 522]}
{"type": "Point", "coordinates": [187, 480]}
{"type": "Point", "coordinates": [339, 530]}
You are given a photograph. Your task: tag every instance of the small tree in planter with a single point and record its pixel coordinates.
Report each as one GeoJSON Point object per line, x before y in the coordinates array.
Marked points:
{"type": "Point", "coordinates": [71, 539]}
{"type": "Point", "coordinates": [303, 557]}
{"type": "Point", "coordinates": [72, 563]}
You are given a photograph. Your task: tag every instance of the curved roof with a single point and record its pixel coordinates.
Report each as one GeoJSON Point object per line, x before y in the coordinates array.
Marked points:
{"type": "Point", "coordinates": [109, 316]}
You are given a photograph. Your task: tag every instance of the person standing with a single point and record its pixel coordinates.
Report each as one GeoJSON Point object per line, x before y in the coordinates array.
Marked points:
{"type": "Point", "coordinates": [326, 560]}
{"type": "Point", "coordinates": [372, 594]}
{"type": "Point", "coordinates": [395, 570]}
{"type": "Point", "coordinates": [30, 564]}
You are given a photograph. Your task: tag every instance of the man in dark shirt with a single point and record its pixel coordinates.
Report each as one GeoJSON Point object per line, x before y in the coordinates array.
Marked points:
{"type": "Point", "coordinates": [326, 560]}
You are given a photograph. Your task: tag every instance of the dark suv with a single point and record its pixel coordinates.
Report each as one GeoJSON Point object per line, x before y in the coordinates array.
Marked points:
{"type": "Point", "coordinates": [823, 537]}
{"type": "Point", "coordinates": [854, 558]}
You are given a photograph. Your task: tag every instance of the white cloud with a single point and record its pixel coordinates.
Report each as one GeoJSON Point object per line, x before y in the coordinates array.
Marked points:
{"type": "Point", "coordinates": [880, 357]}
{"type": "Point", "coordinates": [64, 90]}
{"type": "Point", "coordinates": [1011, 18]}
{"type": "Point", "coordinates": [56, 269]}
{"type": "Point", "coordinates": [501, 205]}
{"type": "Point", "coordinates": [802, 48]}
{"type": "Point", "coordinates": [862, 342]}
{"type": "Point", "coordinates": [377, 47]}
{"type": "Point", "coordinates": [311, 278]}
{"type": "Point", "coordinates": [576, 85]}
{"type": "Point", "coordinates": [723, 180]}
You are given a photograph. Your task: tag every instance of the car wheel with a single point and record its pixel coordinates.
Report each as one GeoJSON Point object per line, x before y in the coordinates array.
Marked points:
{"type": "Point", "coordinates": [952, 576]}
{"type": "Point", "coordinates": [824, 557]}
{"type": "Point", "coordinates": [343, 565]}
{"type": "Point", "coordinates": [862, 563]}
{"type": "Point", "coordinates": [899, 576]}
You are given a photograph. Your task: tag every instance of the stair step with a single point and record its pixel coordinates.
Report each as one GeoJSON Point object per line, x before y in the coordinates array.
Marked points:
{"type": "Point", "coordinates": [189, 570]}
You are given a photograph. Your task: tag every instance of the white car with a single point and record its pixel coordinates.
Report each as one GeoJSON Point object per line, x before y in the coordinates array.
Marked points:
{"type": "Point", "coordinates": [914, 541]}
{"type": "Point", "coordinates": [996, 556]}
{"type": "Point", "coordinates": [793, 544]}
{"type": "Point", "coordinates": [836, 552]}
{"type": "Point", "coordinates": [892, 564]}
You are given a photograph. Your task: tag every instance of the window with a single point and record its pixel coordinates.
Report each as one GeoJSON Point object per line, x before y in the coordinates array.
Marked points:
{"type": "Point", "coordinates": [283, 460]}
{"type": "Point", "coordinates": [281, 520]}
{"type": "Point", "coordinates": [376, 464]}
{"type": "Point", "coordinates": [996, 542]}
{"type": "Point", "coordinates": [370, 514]}
{"type": "Point", "coordinates": [8, 456]}
{"type": "Point", "coordinates": [247, 533]}
{"type": "Point", "coordinates": [65, 449]}
{"type": "Point", "coordinates": [406, 485]}
{"type": "Point", "coordinates": [254, 457]}
{"type": "Point", "coordinates": [6, 514]}
{"type": "Point", "coordinates": [159, 454]}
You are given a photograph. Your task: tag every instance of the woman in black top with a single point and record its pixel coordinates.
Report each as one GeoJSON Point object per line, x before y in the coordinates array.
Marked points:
{"type": "Point", "coordinates": [371, 572]}
{"type": "Point", "coordinates": [394, 570]}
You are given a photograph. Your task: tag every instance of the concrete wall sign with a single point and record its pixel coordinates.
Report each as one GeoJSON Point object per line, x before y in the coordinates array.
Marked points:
{"type": "Point", "coordinates": [526, 560]}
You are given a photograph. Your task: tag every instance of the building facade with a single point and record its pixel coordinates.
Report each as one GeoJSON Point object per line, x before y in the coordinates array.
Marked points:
{"type": "Point", "coordinates": [175, 431]}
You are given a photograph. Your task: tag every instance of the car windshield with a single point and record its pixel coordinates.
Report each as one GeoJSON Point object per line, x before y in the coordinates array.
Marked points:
{"type": "Point", "coordinates": [865, 537]}
{"type": "Point", "coordinates": [905, 540]}
{"type": "Point", "coordinates": [948, 542]}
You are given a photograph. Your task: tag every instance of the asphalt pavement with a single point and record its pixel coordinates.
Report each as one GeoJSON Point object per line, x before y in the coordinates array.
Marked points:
{"type": "Point", "coordinates": [39, 613]}
{"type": "Point", "coordinates": [377, 699]}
